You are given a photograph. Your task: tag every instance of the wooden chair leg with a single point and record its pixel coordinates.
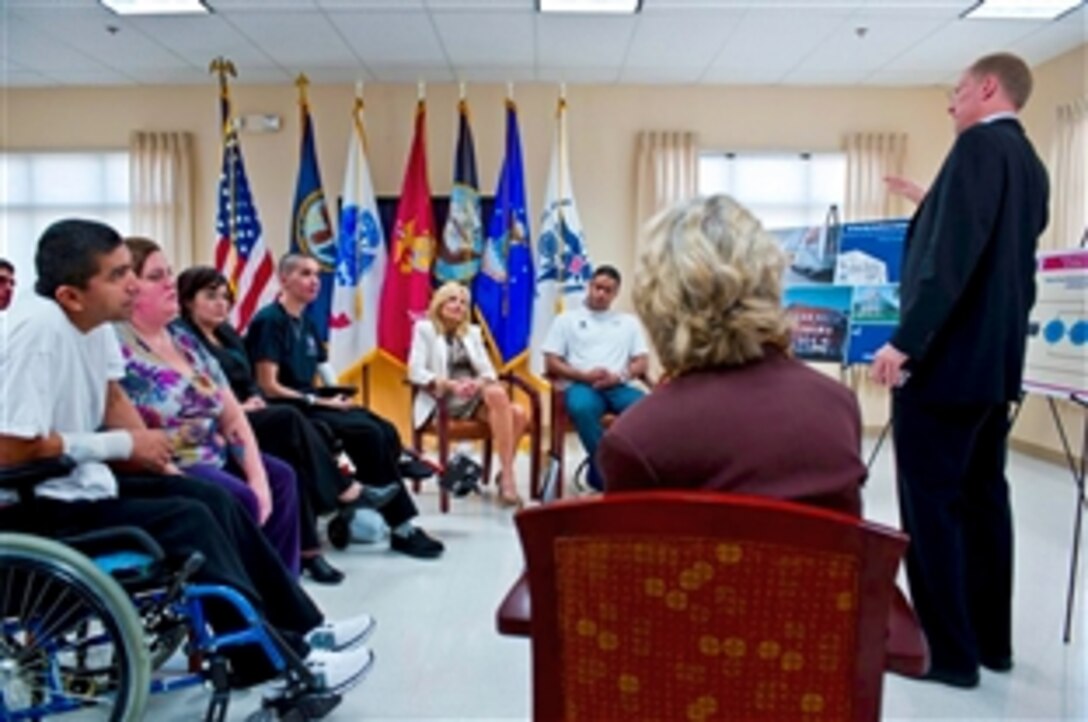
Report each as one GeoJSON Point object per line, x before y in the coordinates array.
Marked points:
{"type": "Point", "coordinates": [443, 460]}
{"type": "Point", "coordinates": [487, 460]}
{"type": "Point", "coordinates": [417, 446]}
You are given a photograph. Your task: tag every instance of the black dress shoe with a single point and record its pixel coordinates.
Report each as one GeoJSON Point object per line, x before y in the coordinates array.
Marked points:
{"type": "Point", "coordinates": [966, 679]}
{"type": "Point", "coordinates": [321, 571]}
{"type": "Point", "coordinates": [411, 468]}
{"type": "Point", "coordinates": [417, 544]}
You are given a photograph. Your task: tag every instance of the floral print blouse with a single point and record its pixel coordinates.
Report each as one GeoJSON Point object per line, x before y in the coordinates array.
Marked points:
{"type": "Point", "coordinates": [188, 408]}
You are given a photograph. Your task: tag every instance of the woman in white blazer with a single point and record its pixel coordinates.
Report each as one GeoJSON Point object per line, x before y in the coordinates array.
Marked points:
{"type": "Point", "coordinates": [448, 359]}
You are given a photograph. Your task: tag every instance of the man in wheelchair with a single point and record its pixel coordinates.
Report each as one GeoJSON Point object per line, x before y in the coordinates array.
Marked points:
{"type": "Point", "coordinates": [59, 398]}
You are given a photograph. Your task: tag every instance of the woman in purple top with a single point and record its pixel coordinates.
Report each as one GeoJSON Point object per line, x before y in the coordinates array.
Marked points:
{"type": "Point", "coordinates": [178, 387]}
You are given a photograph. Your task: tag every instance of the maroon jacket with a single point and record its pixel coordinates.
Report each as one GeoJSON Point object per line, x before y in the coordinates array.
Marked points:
{"type": "Point", "coordinates": [770, 428]}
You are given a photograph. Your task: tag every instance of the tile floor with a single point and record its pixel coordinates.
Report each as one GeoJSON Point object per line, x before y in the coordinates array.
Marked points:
{"type": "Point", "coordinates": [439, 657]}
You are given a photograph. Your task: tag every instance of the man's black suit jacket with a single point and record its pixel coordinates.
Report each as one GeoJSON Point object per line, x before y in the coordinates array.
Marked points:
{"type": "Point", "coordinates": [969, 269]}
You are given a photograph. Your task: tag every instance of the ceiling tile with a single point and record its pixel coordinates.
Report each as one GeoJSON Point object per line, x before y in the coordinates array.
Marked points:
{"type": "Point", "coordinates": [387, 38]}
{"type": "Point", "coordinates": [566, 41]}
{"type": "Point", "coordinates": [413, 74]}
{"type": "Point", "coordinates": [660, 74]}
{"type": "Point", "coordinates": [781, 39]}
{"type": "Point", "coordinates": [523, 6]}
{"type": "Point", "coordinates": [883, 40]}
{"type": "Point", "coordinates": [34, 50]}
{"type": "Point", "coordinates": [958, 43]}
{"type": "Point", "coordinates": [685, 38]}
{"type": "Point", "coordinates": [294, 40]}
{"type": "Point", "coordinates": [88, 30]}
{"type": "Point", "coordinates": [495, 73]}
{"type": "Point", "coordinates": [473, 38]}
{"type": "Point", "coordinates": [742, 76]}
{"type": "Point", "coordinates": [199, 39]}
{"type": "Point", "coordinates": [584, 74]}
{"type": "Point", "coordinates": [1055, 38]}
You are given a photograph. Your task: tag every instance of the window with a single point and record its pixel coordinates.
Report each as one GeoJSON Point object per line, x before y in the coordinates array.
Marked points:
{"type": "Point", "coordinates": [782, 189]}
{"type": "Point", "coordinates": [37, 189]}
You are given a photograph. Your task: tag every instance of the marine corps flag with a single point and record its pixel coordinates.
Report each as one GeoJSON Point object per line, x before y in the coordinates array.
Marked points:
{"type": "Point", "coordinates": [462, 238]}
{"type": "Point", "coordinates": [503, 289]}
{"type": "Point", "coordinates": [407, 287]}
{"type": "Point", "coordinates": [311, 231]}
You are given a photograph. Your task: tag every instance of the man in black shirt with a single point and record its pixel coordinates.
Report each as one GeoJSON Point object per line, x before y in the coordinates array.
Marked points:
{"type": "Point", "coordinates": [287, 352]}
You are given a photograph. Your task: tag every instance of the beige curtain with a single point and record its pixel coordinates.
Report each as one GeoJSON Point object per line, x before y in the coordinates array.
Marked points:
{"type": "Point", "coordinates": [869, 158]}
{"type": "Point", "coordinates": [161, 192]}
{"type": "Point", "coordinates": [1069, 182]}
{"type": "Point", "coordinates": [667, 163]}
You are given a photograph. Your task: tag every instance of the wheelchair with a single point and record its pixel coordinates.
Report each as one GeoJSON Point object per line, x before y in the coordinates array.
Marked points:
{"type": "Point", "coordinates": [86, 621]}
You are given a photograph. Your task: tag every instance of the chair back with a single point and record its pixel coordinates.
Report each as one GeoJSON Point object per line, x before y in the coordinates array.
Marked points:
{"type": "Point", "coordinates": [706, 606]}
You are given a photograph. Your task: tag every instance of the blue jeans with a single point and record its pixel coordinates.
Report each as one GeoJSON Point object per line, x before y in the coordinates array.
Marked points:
{"type": "Point", "coordinates": [585, 407]}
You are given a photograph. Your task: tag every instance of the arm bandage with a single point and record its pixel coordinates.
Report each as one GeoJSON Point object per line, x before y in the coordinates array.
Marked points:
{"type": "Point", "coordinates": [328, 377]}
{"type": "Point", "coordinates": [101, 446]}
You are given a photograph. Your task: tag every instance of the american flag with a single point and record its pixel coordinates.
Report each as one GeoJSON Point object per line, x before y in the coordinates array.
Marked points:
{"type": "Point", "coordinates": [246, 261]}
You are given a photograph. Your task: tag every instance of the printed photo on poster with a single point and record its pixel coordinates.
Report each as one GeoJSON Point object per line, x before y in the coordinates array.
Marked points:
{"type": "Point", "coordinates": [820, 320]}
{"type": "Point", "coordinates": [870, 253]}
{"type": "Point", "coordinates": [874, 314]}
{"type": "Point", "coordinates": [811, 251]}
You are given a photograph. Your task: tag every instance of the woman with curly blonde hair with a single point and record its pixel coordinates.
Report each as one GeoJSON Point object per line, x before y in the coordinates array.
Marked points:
{"type": "Point", "coordinates": [738, 412]}
{"type": "Point", "coordinates": [448, 359]}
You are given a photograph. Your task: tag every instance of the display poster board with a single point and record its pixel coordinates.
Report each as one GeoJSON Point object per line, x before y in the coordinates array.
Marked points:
{"type": "Point", "coordinates": [1057, 352]}
{"type": "Point", "coordinates": [842, 288]}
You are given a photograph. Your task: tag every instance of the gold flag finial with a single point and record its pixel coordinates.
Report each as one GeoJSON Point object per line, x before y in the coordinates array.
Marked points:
{"type": "Point", "coordinates": [302, 83]}
{"type": "Point", "coordinates": [222, 67]}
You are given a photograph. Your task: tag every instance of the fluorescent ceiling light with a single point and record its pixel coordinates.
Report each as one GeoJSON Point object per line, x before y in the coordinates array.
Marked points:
{"type": "Point", "coordinates": [156, 7]}
{"type": "Point", "coordinates": [1020, 9]}
{"type": "Point", "coordinates": [616, 7]}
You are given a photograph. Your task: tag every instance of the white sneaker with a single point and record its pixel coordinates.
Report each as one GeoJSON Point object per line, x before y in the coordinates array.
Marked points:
{"type": "Point", "coordinates": [340, 635]}
{"type": "Point", "coordinates": [339, 671]}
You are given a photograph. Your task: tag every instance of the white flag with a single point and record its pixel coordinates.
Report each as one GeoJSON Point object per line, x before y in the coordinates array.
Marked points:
{"type": "Point", "coordinates": [563, 267]}
{"type": "Point", "coordinates": [361, 260]}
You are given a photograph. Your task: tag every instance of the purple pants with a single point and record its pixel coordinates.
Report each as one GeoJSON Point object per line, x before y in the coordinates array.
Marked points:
{"type": "Point", "coordinates": [281, 528]}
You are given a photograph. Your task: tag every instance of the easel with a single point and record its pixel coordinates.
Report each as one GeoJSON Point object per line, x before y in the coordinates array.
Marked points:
{"type": "Point", "coordinates": [1078, 473]}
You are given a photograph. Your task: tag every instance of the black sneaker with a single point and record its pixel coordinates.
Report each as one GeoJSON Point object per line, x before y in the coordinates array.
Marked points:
{"type": "Point", "coordinates": [321, 571]}
{"type": "Point", "coordinates": [417, 544]}
{"type": "Point", "coordinates": [412, 468]}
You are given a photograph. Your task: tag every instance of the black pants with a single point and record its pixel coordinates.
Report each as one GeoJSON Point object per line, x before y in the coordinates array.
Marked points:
{"type": "Point", "coordinates": [373, 445]}
{"type": "Point", "coordinates": [186, 515]}
{"type": "Point", "coordinates": [284, 431]}
{"type": "Point", "coordinates": [954, 503]}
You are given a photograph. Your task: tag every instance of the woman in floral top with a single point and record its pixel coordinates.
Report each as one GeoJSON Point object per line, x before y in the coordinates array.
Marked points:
{"type": "Point", "coordinates": [177, 387]}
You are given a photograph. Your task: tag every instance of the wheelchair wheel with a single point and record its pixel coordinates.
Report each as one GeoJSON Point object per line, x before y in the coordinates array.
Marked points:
{"type": "Point", "coordinates": [339, 530]}
{"type": "Point", "coordinates": [70, 639]}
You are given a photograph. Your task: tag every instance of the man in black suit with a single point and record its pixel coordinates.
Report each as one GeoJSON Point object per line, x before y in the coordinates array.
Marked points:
{"type": "Point", "coordinates": [956, 362]}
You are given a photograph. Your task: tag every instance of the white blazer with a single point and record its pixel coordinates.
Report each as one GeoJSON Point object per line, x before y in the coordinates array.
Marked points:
{"type": "Point", "coordinates": [428, 360]}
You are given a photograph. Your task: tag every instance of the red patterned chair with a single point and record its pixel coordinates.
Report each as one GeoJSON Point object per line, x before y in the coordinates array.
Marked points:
{"type": "Point", "coordinates": [706, 606]}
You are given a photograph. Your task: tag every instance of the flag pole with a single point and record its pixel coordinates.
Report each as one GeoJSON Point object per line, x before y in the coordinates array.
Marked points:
{"type": "Point", "coordinates": [223, 67]}
{"type": "Point", "coordinates": [561, 136]}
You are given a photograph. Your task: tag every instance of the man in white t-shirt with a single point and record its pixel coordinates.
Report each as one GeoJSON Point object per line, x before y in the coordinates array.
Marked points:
{"type": "Point", "coordinates": [59, 365]}
{"type": "Point", "coordinates": [598, 351]}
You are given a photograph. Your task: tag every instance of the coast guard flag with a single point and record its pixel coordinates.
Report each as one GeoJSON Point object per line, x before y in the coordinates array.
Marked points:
{"type": "Point", "coordinates": [240, 253]}
{"type": "Point", "coordinates": [462, 238]}
{"type": "Point", "coordinates": [563, 266]}
{"type": "Point", "coordinates": [311, 231]}
{"type": "Point", "coordinates": [503, 289]}
{"type": "Point", "coordinates": [360, 262]}
{"type": "Point", "coordinates": [407, 287]}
